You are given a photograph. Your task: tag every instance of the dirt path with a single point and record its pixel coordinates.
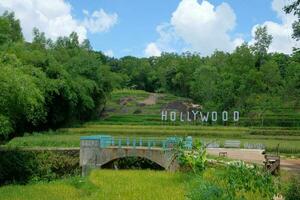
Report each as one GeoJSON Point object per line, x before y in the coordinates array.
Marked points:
{"type": "Point", "coordinates": [255, 156]}
{"type": "Point", "coordinates": [151, 100]}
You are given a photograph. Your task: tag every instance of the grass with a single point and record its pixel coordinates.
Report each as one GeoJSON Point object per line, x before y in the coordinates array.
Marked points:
{"type": "Point", "coordinates": [122, 122]}
{"type": "Point", "coordinates": [105, 184]}
{"type": "Point", "coordinates": [71, 137]}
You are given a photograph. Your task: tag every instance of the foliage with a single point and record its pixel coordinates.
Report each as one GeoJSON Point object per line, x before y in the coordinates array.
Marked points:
{"type": "Point", "coordinates": [48, 84]}
{"type": "Point", "coordinates": [293, 190]}
{"type": "Point", "coordinates": [194, 159]}
{"type": "Point", "coordinates": [234, 182]}
{"type": "Point", "coordinates": [241, 177]}
{"type": "Point", "coordinates": [26, 166]}
{"type": "Point", "coordinates": [294, 8]}
{"type": "Point", "coordinates": [5, 127]}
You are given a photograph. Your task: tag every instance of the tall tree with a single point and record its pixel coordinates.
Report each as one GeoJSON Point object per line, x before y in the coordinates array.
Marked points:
{"type": "Point", "coordinates": [294, 8]}
{"type": "Point", "coordinates": [262, 42]}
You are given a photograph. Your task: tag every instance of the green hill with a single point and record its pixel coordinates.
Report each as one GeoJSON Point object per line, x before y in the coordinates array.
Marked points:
{"type": "Point", "coordinates": [129, 114]}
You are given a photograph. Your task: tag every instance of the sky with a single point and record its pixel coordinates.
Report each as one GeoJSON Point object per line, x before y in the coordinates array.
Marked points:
{"type": "Point", "coordinates": [145, 28]}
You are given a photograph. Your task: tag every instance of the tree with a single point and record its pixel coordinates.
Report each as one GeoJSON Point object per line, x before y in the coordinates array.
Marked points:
{"type": "Point", "coordinates": [204, 85]}
{"type": "Point", "coordinates": [261, 45]}
{"type": "Point", "coordinates": [10, 29]}
{"type": "Point", "coordinates": [262, 40]}
{"type": "Point", "coordinates": [294, 8]}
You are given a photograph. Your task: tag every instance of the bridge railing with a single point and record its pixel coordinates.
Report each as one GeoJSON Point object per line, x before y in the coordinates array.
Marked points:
{"type": "Point", "coordinates": [106, 141]}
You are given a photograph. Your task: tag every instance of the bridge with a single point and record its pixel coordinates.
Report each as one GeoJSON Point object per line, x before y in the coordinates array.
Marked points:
{"type": "Point", "coordinates": [98, 150]}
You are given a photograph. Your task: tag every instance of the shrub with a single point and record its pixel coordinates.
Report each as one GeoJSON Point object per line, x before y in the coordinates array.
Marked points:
{"type": "Point", "coordinates": [194, 159]}
{"type": "Point", "coordinates": [5, 127]}
{"type": "Point", "coordinates": [293, 190]}
{"type": "Point", "coordinates": [234, 182]}
{"type": "Point", "coordinates": [242, 177]}
{"type": "Point", "coordinates": [206, 190]}
{"type": "Point", "coordinates": [25, 166]}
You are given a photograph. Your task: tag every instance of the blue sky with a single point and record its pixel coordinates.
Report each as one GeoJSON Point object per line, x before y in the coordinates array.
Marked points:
{"type": "Point", "coordinates": [138, 21]}
{"type": "Point", "coordinates": [145, 28]}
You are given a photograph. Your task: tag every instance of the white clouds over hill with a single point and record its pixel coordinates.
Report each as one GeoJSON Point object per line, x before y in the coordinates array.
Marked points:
{"type": "Point", "coordinates": [203, 26]}
{"type": "Point", "coordinates": [55, 19]}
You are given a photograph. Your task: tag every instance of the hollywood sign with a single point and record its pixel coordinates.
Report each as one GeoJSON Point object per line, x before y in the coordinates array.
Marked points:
{"type": "Point", "coordinates": [199, 116]}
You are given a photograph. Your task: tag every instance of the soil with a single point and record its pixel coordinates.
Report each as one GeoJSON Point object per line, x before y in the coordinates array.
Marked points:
{"type": "Point", "coordinates": [151, 100]}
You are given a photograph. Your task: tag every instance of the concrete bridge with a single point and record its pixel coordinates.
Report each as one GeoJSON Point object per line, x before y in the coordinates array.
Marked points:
{"type": "Point", "coordinates": [96, 151]}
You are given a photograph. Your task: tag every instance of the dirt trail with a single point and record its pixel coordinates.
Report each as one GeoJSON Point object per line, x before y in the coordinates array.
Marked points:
{"type": "Point", "coordinates": [151, 100]}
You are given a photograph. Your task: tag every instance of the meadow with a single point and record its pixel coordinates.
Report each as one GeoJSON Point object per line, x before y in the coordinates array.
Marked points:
{"type": "Point", "coordinates": [105, 184]}
{"type": "Point", "coordinates": [215, 182]}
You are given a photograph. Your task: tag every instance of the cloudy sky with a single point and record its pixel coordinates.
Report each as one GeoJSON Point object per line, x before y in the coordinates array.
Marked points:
{"type": "Point", "coordinates": [147, 28]}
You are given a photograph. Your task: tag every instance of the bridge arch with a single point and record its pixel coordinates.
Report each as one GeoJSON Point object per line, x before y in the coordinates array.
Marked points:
{"type": "Point", "coordinates": [158, 156]}
{"type": "Point", "coordinates": [127, 162]}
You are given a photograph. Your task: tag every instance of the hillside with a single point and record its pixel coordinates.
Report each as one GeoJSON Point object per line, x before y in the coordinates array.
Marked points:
{"type": "Point", "coordinates": [136, 113]}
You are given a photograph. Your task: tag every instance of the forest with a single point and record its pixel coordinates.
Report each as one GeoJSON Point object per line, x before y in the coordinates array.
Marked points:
{"type": "Point", "coordinates": [48, 84]}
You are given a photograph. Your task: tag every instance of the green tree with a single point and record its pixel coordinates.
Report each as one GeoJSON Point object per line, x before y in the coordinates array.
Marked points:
{"type": "Point", "coordinates": [294, 8]}
{"type": "Point", "coordinates": [10, 29]}
{"type": "Point", "coordinates": [261, 45]}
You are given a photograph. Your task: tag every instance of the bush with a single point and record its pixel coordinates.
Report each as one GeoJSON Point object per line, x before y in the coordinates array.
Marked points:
{"type": "Point", "coordinates": [206, 190]}
{"type": "Point", "coordinates": [24, 166]}
{"type": "Point", "coordinates": [5, 127]}
{"type": "Point", "coordinates": [195, 159]}
{"type": "Point", "coordinates": [242, 177]}
{"type": "Point", "coordinates": [293, 190]}
{"type": "Point", "coordinates": [234, 182]}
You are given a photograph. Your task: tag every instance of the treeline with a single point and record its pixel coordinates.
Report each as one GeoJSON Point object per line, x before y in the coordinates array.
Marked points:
{"type": "Point", "coordinates": [46, 84]}
{"type": "Point", "coordinates": [250, 80]}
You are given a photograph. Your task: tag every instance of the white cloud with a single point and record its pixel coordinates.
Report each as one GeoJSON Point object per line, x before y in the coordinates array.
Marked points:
{"type": "Point", "coordinates": [198, 27]}
{"type": "Point", "coordinates": [281, 32]}
{"type": "Point", "coordinates": [52, 17]}
{"type": "Point", "coordinates": [152, 50]}
{"type": "Point", "coordinates": [109, 53]}
{"type": "Point", "coordinates": [205, 27]}
{"type": "Point", "coordinates": [100, 21]}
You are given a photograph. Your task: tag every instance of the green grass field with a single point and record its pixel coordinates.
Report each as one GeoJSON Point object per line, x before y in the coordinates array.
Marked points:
{"type": "Point", "coordinates": [105, 184]}
{"type": "Point", "coordinates": [121, 121]}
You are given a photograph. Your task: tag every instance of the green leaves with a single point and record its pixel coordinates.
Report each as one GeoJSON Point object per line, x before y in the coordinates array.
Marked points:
{"type": "Point", "coordinates": [194, 159]}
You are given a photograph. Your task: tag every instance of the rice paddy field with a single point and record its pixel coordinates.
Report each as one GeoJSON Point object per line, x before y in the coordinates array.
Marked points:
{"type": "Point", "coordinates": [105, 184]}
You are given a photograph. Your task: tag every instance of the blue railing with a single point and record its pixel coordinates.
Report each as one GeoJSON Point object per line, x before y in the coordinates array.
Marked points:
{"type": "Point", "coordinates": [166, 143]}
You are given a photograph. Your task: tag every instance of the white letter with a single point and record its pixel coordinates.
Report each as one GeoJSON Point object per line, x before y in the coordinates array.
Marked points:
{"type": "Point", "coordinates": [236, 116]}
{"type": "Point", "coordinates": [195, 114]}
{"type": "Point", "coordinates": [214, 116]}
{"type": "Point", "coordinates": [164, 115]}
{"type": "Point", "coordinates": [173, 116]}
{"type": "Point", "coordinates": [188, 116]}
{"type": "Point", "coordinates": [181, 117]}
{"type": "Point", "coordinates": [225, 116]}
{"type": "Point", "coordinates": [204, 118]}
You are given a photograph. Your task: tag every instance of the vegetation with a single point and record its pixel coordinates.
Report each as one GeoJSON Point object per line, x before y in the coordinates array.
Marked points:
{"type": "Point", "coordinates": [105, 184]}
{"type": "Point", "coordinates": [234, 182]}
{"type": "Point", "coordinates": [22, 167]}
{"type": "Point", "coordinates": [47, 84]}
{"type": "Point", "coordinates": [120, 121]}
{"type": "Point", "coordinates": [66, 81]}
{"type": "Point", "coordinates": [237, 181]}
{"type": "Point", "coordinates": [50, 85]}
{"type": "Point", "coordinates": [293, 190]}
